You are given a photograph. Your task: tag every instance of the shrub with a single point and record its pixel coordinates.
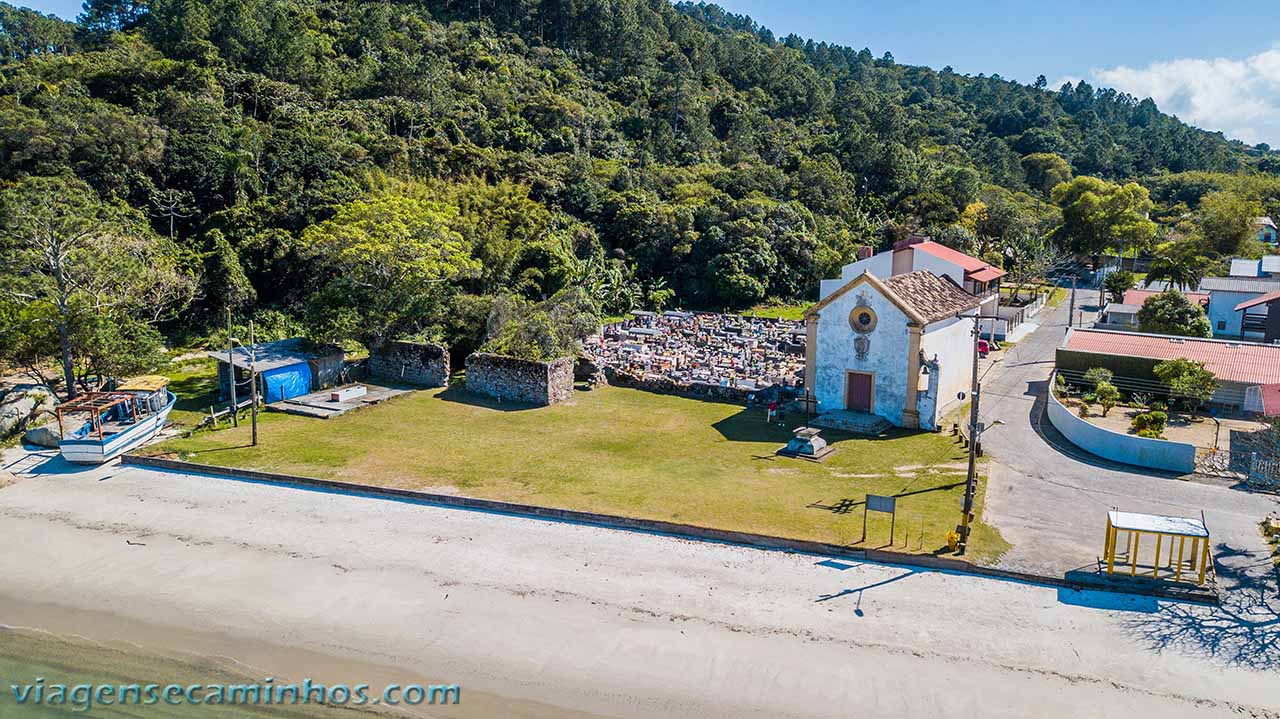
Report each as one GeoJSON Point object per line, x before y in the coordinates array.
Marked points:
{"type": "Point", "coordinates": [1084, 409]}
{"type": "Point", "coordinates": [1188, 381]}
{"type": "Point", "coordinates": [1142, 399]}
{"type": "Point", "coordinates": [1158, 406]}
{"type": "Point", "coordinates": [1108, 396]}
{"type": "Point", "coordinates": [1097, 375]}
{"type": "Point", "coordinates": [1150, 424]}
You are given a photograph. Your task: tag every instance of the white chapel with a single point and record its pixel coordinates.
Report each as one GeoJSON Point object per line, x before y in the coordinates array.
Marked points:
{"type": "Point", "coordinates": [898, 346]}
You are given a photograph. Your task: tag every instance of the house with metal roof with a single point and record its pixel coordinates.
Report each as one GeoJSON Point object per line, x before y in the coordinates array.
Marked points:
{"type": "Point", "coordinates": [1132, 356]}
{"type": "Point", "coordinates": [1226, 297]}
{"type": "Point", "coordinates": [283, 369]}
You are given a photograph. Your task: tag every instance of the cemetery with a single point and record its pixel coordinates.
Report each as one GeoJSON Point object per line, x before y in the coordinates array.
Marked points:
{"type": "Point", "coordinates": [690, 353]}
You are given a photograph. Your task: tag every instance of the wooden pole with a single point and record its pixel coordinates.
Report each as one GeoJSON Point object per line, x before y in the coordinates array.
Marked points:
{"type": "Point", "coordinates": [231, 371]}
{"type": "Point", "coordinates": [253, 380]}
{"type": "Point", "coordinates": [1204, 562]}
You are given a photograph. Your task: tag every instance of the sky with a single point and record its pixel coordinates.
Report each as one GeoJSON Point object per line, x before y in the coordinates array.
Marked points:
{"type": "Point", "coordinates": [1214, 65]}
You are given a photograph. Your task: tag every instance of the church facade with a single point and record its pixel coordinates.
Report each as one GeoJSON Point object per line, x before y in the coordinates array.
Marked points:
{"type": "Point", "coordinates": [900, 348]}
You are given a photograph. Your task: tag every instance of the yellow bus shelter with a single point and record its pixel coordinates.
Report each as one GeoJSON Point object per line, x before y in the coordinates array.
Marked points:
{"type": "Point", "coordinates": [1175, 546]}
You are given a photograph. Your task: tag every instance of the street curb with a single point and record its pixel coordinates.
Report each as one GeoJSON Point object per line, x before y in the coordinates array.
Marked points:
{"type": "Point", "coordinates": [651, 526]}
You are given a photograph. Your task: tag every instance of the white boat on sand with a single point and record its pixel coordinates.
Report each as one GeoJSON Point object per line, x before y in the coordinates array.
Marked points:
{"type": "Point", "coordinates": [97, 427]}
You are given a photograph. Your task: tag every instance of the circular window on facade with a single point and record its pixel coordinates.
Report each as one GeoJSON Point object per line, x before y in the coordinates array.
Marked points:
{"type": "Point", "coordinates": [862, 320]}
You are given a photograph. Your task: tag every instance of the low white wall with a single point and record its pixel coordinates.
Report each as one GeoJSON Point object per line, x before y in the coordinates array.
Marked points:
{"type": "Point", "coordinates": [1117, 447]}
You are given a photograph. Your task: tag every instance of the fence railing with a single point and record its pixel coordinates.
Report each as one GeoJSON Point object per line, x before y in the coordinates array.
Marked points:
{"type": "Point", "coordinates": [1264, 472]}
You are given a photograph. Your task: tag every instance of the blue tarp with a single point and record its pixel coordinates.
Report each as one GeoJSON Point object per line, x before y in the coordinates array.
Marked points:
{"type": "Point", "coordinates": [285, 382]}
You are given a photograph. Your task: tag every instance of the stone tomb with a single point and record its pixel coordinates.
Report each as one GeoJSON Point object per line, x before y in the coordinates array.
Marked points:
{"type": "Point", "coordinates": [807, 444]}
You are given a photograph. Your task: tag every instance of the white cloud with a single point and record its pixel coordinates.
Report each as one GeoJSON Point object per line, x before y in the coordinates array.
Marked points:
{"type": "Point", "coordinates": [1239, 97]}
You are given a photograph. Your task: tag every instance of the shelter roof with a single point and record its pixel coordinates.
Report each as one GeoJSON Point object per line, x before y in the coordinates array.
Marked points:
{"type": "Point", "coordinates": [1259, 300]}
{"type": "Point", "coordinates": [972, 265]}
{"type": "Point", "coordinates": [269, 355]}
{"type": "Point", "coordinates": [1158, 523]}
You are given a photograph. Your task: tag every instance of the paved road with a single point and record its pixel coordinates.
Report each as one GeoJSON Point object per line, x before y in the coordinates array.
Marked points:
{"type": "Point", "coordinates": [609, 622]}
{"type": "Point", "coordinates": [1049, 498]}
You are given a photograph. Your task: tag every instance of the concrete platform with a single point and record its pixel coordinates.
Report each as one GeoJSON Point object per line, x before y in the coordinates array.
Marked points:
{"type": "Point", "coordinates": [850, 421]}
{"type": "Point", "coordinates": [318, 404]}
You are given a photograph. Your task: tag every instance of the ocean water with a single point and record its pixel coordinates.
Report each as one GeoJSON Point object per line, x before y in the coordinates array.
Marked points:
{"type": "Point", "coordinates": [26, 655]}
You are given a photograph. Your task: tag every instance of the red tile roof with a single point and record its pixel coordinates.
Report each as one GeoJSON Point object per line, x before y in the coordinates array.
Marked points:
{"type": "Point", "coordinates": [1137, 297]}
{"type": "Point", "coordinates": [1244, 362]}
{"type": "Point", "coordinates": [970, 264]}
{"type": "Point", "coordinates": [1260, 300]}
{"type": "Point", "coordinates": [986, 275]}
{"type": "Point", "coordinates": [933, 297]}
{"type": "Point", "coordinates": [1271, 400]}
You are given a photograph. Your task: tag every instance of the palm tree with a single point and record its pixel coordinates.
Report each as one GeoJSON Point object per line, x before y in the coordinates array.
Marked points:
{"type": "Point", "coordinates": [1182, 264]}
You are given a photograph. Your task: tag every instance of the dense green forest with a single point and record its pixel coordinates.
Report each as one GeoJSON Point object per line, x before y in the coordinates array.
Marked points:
{"type": "Point", "coordinates": [358, 170]}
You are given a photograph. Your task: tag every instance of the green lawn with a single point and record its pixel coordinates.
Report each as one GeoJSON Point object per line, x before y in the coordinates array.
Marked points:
{"type": "Point", "coordinates": [618, 451]}
{"type": "Point", "coordinates": [195, 382]}
{"type": "Point", "coordinates": [778, 311]}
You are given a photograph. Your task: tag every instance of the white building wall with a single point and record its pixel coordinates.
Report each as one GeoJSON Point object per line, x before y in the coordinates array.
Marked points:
{"type": "Point", "coordinates": [886, 358]}
{"type": "Point", "coordinates": [881, 266]}
{"type": "Point", "coordinates": [938, 266]}
{"type": "Point", "coordinates": [951, 342]}
{"type": "Point", "coordinates": [1222, 308]}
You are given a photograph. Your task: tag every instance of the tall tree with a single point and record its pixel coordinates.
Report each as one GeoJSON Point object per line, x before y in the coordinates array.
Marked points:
{"type": "Point", "coordinates": [1046, 171]}
{"type": "Point", "coordinates": [386, 261]}
{"type": "Point", "coordinates": [1181, 263]}
{"type": "Point", "coordinates": [1226, 221]}
{"type": "Point", "coordinates": [1098, 215]}
{"type": "Point", "coordinates": [1171, 313]}
{"type": "Point", "coordinates": [80, 270]}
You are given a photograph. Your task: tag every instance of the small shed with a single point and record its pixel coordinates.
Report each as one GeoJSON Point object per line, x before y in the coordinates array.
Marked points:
{"type": "Point", "coordinates": [1187, 549]}
{"type": "Point", "coordinates": [283, 369]}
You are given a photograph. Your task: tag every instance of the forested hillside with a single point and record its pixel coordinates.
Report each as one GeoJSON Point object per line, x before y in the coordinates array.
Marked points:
{"type": "Point", "coordinates": [361, 170]}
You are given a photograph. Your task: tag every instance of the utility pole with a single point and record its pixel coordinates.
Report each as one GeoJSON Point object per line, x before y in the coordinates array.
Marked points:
{"type": "Point", "coordinates": [253, 380]}
{"type": "Point", "coordinates": [231, 367]}
{"type": "Point", "coordinates": [971, 481]}
{"type": "Point", "coordinates": [1071, 315]}
{"type": "Point", "coordinates": [970, 485]}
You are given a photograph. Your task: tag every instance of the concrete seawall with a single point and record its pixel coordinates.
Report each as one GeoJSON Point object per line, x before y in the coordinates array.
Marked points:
{"type": "Point", "coordinates": [685, 531]}
{"type": "Point", "coordinates": [1126, 448]}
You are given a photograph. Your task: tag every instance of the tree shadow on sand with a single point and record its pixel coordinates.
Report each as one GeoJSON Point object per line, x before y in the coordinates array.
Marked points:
{"type": "Point", "coordinates": [1244, 631]}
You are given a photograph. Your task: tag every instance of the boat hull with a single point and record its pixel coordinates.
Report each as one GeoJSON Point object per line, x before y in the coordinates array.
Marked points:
{"type": "Point", "coordinates": [93, 451]}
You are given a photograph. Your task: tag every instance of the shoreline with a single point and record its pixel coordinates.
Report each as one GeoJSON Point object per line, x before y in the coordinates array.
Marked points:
{"type": "Point", "coordinates": [226, 657]}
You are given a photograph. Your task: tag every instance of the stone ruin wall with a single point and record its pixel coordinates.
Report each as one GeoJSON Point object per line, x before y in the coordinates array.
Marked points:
{"type": "Point", "coordinates": [520, 381]}
{"type": "Point", "coordinates": [424, 364]}
{"type": "Point", "coordinates": [693, 390]}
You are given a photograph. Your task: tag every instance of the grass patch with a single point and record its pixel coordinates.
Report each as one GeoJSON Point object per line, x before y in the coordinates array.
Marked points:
{"type": "Point", "coordinates": [778, 311]}
{"type": "Point", "coordinates": [1059, 294]}
{"type": "Point", "coordinates": [620, 451]}
{"type": "Point", "coordinates": [195, 383]}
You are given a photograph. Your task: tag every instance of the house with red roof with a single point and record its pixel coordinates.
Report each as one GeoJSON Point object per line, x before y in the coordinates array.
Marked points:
{"type": "Point", "coordinates": [1244, 369]}
{"type": "Point", "coordinates": [918, 252]}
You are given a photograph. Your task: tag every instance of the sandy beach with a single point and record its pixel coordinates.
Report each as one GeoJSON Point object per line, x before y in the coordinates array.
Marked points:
{"type": "Point", "coordinates": [544, 619]}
